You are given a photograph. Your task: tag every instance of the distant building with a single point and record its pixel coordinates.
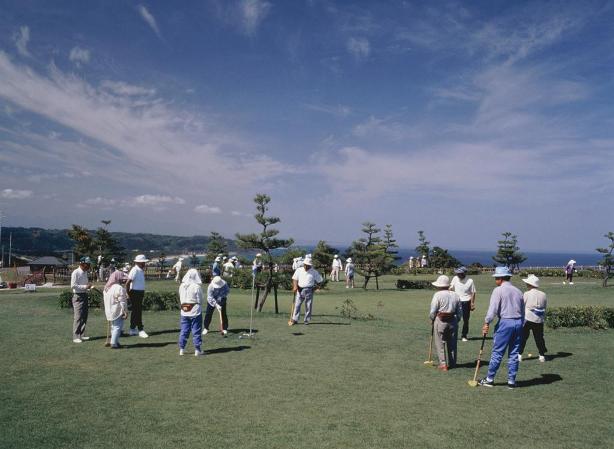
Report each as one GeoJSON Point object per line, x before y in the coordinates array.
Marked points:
{"type": "Point", "coordinates": [49, 263]}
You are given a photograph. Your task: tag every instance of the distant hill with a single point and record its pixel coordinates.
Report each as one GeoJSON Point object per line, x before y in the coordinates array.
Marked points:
{"type": "Point", "coordinates": [45, 242]}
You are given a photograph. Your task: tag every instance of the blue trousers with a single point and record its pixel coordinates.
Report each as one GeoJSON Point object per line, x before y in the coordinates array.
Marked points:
{"type": "Point", "coordinates": [193, 324]}
{"type": "Point", "coordinates": [508, 335]}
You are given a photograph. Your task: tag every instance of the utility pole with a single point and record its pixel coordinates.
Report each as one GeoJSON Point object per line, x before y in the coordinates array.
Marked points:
{"type": "Point", "coordinates": [10, 247]}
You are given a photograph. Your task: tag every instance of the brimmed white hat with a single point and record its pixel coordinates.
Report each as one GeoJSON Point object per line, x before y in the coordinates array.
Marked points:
{"type": "Point", "coordinates": [218, 259]}
{"type": "Point", "coordinates": [308, 261]}
{"type": "Point", "coordinates": [336, 256]}
{"type": "Point", "coordinates": [532, 280]}
{"type": "Point", "coordinates": [141, 258]}
{"type": "Point", "coordinates": [460, 270]}
{"type": "Point", "coordinates": [502, 272]}
{"type": "Point", "coordinates": [442, 281]}
{"type": "Point", "coordinates": [349, 259]}
{"type": "Point", "coordinates": [218, 282]}
{"type": "Point", "coordinates": [259, 255]}
{"type": "Point", "coordinates": [571, 262]}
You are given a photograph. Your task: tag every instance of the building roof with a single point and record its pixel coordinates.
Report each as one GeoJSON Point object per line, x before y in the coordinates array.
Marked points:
{"type": "Point", "coordinates": [48, 261]}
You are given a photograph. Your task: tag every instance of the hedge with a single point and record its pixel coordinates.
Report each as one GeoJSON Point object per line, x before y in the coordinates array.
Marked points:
{"type": "Point", "coordinates": [152, 300]}
{"type": "Point", "coordinates": [404, 284]}
{"type": "Point", "coordinates": [595, 317]}
{"type": "Point", "coordinates": [551, 272]}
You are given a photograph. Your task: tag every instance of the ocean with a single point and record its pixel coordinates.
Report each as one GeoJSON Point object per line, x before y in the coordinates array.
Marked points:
{"type": "Point", "coordinates": [534, 259]}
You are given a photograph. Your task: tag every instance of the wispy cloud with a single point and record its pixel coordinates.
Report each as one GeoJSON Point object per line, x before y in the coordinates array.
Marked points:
{"type": "Point", "coordinates": [79, 56]}
{"type": "Point", "coordinates": [21, 39]}
{"type": "Point", "coordinates": [253, 13]}
{"type": "Point", "coordinates": [122, 88]}
{"type": "Point", "coordinates": [336, 110]}
{"type": "Point", "coordinates": [11, 194]}
{"type": "Point", "coordinates": [149, 19]}
{"type": "Point", "coordinates": [205, 209]}
{"type": "Point", "coordinates": [359, 48]}
{"type": "Point", "coordinates": [148, 200]}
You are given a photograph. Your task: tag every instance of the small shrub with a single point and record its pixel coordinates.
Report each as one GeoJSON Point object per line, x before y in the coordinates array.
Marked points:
{"type": "Point", "coordinates": [152, 301]}
{"type": "Point", "coordinates": [349, 310]}
{"type": "Point", "coordinates": [65, 299]}
{"type": "Point", "coordinates": [404, 284]}
{"type": "Point", "coordinates": [595, 317]}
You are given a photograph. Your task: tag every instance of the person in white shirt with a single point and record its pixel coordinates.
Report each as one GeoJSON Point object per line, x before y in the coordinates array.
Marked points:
{"type": "Point", "coordinates": [191, 298]}
{"type": "Point", "coordinates": [465, 288]}
{"type": "Point", "coordinates": [337, 267]}
{"type": "Point", "coordinates": [136, 292]}
{"type": "Point", "coordinates": [229, 268]}
{"type": "Point", "coordinates": [424, 262]}
{"type": "Point", "coordinates": [444, 313]}
{"type": "Point", "coordinates": [80, 284]}
{"type": "Point", "coordinates": [304, 281]}
{"type": "Point", "coordinates": [176, 269]}
{"type": "Point", "coordinates": [257, 264]}
{"type": "Point", "coordinates": [116, 305]}
{"type": "Point", "coordinates": [535, 303]}
{"type": "Point", "coordinates": [349, 273]}
{"type": "Point", "coordinates": [297, 262]}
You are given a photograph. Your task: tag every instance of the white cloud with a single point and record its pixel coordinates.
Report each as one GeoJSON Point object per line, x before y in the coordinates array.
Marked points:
{"type": "Point", "coordinates": [148, 200]}
{"type": "Point", "coordinates": [359, 47]}
{"type": "Point", "coordinates": [155, 200]}
{"type": "Point", "coordinates": [11, 194]}
{"type": "Point", "coordinates": [101, 202]}
{"type": "Point", "coordinates": [337, 110]}
{"type": "Point", "coordinates": [387, 129]}
{"type": "Point", "coordinates": [21, 41]}
{"type": "Point", "coordinates": [79, 56]}
{"type": "Point", "coordinates": [149, 19]}
{"type": "Point", "coordinates": [122, 88]}
{"type": "Point", "coordinates": [204, 209]}
{"type": "Point", "coordinates": [252, 13]}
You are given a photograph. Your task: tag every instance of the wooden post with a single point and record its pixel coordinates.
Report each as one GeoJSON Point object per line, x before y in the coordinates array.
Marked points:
{"type": "Point", "coordinates": [275, 293]}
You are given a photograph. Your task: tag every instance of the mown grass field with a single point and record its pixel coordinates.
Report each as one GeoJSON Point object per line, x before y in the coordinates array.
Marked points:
{"type": "Point", "coordinates": [328, 385]}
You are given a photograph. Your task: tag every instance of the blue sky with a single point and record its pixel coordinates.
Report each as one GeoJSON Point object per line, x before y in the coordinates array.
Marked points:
{"type": "Point", "coordinates": [464, 119]}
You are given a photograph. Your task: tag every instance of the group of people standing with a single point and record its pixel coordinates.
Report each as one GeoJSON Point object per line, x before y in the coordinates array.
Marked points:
{"type": "Point", "coordinates": [337, 267]}
{"type": "Point", "coordinates": [518, 315]}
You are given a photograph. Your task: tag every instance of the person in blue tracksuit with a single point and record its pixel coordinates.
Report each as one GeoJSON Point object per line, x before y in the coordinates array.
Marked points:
{"type": "Point", "coordinates": [507, 304]}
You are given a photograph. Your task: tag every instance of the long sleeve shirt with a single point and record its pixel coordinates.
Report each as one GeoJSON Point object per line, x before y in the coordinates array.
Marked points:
{"type": "Point", "coordinates": [79, 281]}
{"type": "Point", "coordinates": [535, 303]}
{"type": "Point", "coordinates": [216, 270]}
{"type": "Point", "coordinates": [506, 302]}
{"type": "Point", "coordinates": [446, 302]}
{"type": "Point", "coordinates": [191, 294]}
{"type": "Point", "coordinates": [217, 296]}
{"type": "Point", "coordinates": [115, 302]}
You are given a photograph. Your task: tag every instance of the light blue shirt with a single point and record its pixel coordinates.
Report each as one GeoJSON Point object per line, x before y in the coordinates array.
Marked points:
{"type": "Point", "coordinates": [506, 302]}
{"type": "Point", "coordinates": [217, 296]}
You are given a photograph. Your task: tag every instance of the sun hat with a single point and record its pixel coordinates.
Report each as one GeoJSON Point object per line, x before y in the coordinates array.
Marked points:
{"type": "Point", "coordinates": [571, 262]}
{"type": "Point", "coordinates": [126, 268]}
{"type": "Point", "coordinates": [86, 260]}
{"type": "Point", "coordinates": [308, 261]}
{"type": "Point", "coordinates": [532, 280]}
{"type": "Point", "coordinates": [336, 256]}
{"type": "Point", "coordinates": [218, 258]}
{"type": "Point", "coordinates": [141, 258]}
{"type": "Point", "coordinates": [502, 272]}
{"type": "Point", "coordinates": [442, 281]}
{"type": "Point", "coordinates": [180, 259]}
{"type": "Point", "coordinates": [259, 255]}
{"type": "Point", "coordinates": [460, 270]}
{"type": "Point", "coordinates": [349, 259]}
{"type": "Point", "coordinates": [218, 282]}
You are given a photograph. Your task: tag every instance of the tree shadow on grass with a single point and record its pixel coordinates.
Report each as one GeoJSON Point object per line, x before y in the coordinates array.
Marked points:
{"type": "Point", "coordinates": [327, 323]}
{"type": "Point", "coordinates": [297, 334]}
{"type": "Point", "coordinates": [544, 379]}
{"type": "Point", "coordinates": [150, 345]}
{"type": "Point", "coordinates": [224, 350]}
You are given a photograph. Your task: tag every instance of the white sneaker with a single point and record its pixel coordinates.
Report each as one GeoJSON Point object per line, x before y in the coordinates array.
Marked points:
{"type": "Point", "coordinates": [84, 338]}
{"type": "Point", "coordinates": [133, 332]}
{"type": "Point", "coordinates": [205, 332]}
{"type": "Point", "coordinates": [464, 339]}
{"type": "Point", "coordinates": [181, 351]}
{"type": "Point", "coordinates": [347, 286]}
{"type": "Point", "coordinates": [77, 340]}
{"type": "Point", "coordinates": [143, 334]}
{"type": "Point", "coordinates": [571, 283]}
{"type": "Point", "coordinates": [542, 358]}
{"type": "Point", "coordinates": [520, 357]}
{"type": "Point", "coordinates": [198, 353]}
{"type": "Point", "coordinates": [224, 332]}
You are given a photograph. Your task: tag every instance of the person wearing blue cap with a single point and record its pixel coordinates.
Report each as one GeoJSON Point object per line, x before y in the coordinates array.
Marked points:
{"type": "Point", "coordinates": [507, 304]}
{"type": "Point", "coordinates": [465, 289]}
{"type": "Point", "coordinates": [80, 284]}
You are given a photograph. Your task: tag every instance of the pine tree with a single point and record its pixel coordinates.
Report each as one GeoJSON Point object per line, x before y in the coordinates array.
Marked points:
{"type": "Point", "coordinates": [607, 262]}
{"type": "Point", "coordinates": [423, 248]}
{"type": "Point", "coordinates": [369, 253]}
{"type": "Point", "coordinates": [390, 248]}
{"type": "Point", "coordinates": [508, 253]}
{"type": "Point", "coordinates": [323, 256]}
{"type": "Point", "coordinates": [265, 241]}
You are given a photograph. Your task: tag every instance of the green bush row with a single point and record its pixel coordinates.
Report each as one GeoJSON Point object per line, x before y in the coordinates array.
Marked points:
{"type": "Point", "coordinates": [152, 300]}
{"type": "Point", "coordinates": [595, 317]}
{"type": "Point", "coordinates": [404, 284]}
{"type": "Point", "coordinates": [550, 272]}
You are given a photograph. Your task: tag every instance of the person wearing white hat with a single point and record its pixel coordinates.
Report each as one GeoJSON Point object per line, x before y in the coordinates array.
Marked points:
{"type": "Point", "coordinates": [304, 281]}
{"type": "Point", "coordinates": [136, 293]}
{"type": "Point", "coordinates": [216, 268]}
{"type": "Point", "coordinates": [297, 262]}
{"type": "Point", "coordinates": [115, 304]}
{"type": "Point", "coordinates": [465, 288]}
{"type": "Point", "coordinates": [349, 273]}
{"type": "Point", "coordinates": [411, 262]}
{"type": "Point", "coordinates": [336, 268]}
{"type": "Point", "coordinates": [569, 270]}
{"type": "Point", "coordinates": [229, 267]}
{"type": "Point", "coordinates": [257, 264]}
{"type": "Point", "coordinates": [535, 303]}
{"type": "Point", "coordinates": [507, 304]}
{"type": "Point", "coordinates": [444, 313]}
{"type": "Point", "coordinates": [191, 298]}
{"type": "Point", "coordinates": [217, 298]}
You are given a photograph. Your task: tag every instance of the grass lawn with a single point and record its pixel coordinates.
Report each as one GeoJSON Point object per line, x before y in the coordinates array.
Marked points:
{"type": "Point", "coordinates": [327, 385]}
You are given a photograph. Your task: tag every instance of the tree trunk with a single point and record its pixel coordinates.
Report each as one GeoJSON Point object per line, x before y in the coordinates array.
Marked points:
{"type": "Point", "coordinates": [276, 304]}
{"type": "Point", "coordinates": [257, 296]}
{"type": "Point", "coordinates": [367, 277]}
{"type": "Point", "coordinates": [376, 282]}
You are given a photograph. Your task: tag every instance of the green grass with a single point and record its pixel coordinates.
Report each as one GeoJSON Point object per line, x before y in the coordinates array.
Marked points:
{"type": "Point", "coordinates": [327, 385]}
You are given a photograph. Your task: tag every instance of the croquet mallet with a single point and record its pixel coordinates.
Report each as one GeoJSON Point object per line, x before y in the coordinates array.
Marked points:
{"type": "Point", "coordinates": [429, 362]}
{"type": "Point", "coordinates": [474, 382]}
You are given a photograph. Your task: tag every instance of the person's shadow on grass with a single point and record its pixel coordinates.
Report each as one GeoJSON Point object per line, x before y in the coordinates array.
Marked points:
{"type": "Point", "coordinates": [559, 354]}
{"type": "Point", "coordinates": [241, 331]}
{"type": "Point", "coordinates": [224, 350]}
{"type": "Point", "coordinates": [150, 345]}
{"type": "Point", "coordinates": [168, 331]}
{"type": "Point", "coordinates": [472, 364]}
{"type": "Point", "coordinates": [544, 379]}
